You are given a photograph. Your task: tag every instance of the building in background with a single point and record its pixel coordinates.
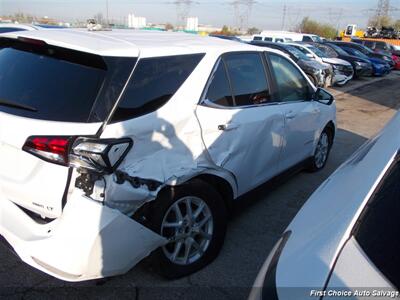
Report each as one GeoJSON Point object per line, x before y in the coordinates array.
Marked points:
{"type": "Point", "coordinates": [192, 24]}
{"type": "Point", "coordinates": [136, 22]}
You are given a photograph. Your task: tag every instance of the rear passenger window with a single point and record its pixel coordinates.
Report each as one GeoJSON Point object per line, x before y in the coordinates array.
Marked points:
{"type": "Point", "coordinates": [307, 39]}
{"type": "Point", "coordinates": [292, 85]}
{"type": "Point", "coordinates": [268, 39]}
{"type": "Point", "coordinates": [257, 38]}
{"type": "Point", "coordinates": [153, 83]}
{"type": "Point", "coordinates": [219, 91]}
{"type": "Point", "coordinates": [247, 77]}
{"type": "Point", "coordinates": [379, 228]}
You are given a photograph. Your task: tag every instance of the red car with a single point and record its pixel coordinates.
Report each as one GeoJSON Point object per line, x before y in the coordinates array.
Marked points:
{"type": "Point", "coordinates": [396, 60]}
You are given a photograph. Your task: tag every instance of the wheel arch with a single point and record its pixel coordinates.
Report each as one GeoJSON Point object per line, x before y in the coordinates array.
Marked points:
{"type": "Point", "coordinates": [331, 128]}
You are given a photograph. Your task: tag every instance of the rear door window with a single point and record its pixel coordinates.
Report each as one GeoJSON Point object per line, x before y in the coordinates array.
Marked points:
{"type": "Point", "coordinates": [49, 83]}
{"type": "Point", "coordinates": [153, 83]}
{"type": "Point", "coordinates": [306, 38]}
{"type": "Point", "coordinates": [378, 230]}
{"type": "Point", "coordinates": [248, 79]}
{"type": "Point", "coordinates": [219, 91]}
{"type": "Point", "coordinates": [292, 85]}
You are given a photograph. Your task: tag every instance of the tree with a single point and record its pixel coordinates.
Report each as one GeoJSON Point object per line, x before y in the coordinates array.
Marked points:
{"type": "Point", "coordinates": [313, 27]}
{"type": "Point", "coordinates": [378, 22]}
{"type": "Point", "coordinates": [253, 30]}
{"type": "Point", "coordinates": [396, 25]}
{"type": "Point", "coordinates": [169, 26]}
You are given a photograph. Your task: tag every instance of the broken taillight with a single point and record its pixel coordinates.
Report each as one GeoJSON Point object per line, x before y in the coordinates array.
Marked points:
{"type": "Point", "coordinates": [100, 155]}
{"type": "Point", "coordinates": [53, 149]}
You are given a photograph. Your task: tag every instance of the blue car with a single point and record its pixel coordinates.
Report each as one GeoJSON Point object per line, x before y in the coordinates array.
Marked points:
{"type": "Point", "coordinates": [379, 66]}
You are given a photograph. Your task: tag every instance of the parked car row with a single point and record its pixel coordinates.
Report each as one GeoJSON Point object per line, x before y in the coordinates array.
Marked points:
{"type": "Point", "coordinates": [338, 62]}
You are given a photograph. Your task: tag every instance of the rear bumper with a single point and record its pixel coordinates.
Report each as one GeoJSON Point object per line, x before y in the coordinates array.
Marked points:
{"type": "Point", "coordinates": [88, 241]}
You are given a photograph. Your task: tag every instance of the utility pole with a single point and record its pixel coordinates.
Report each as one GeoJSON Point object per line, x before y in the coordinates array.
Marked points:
{"type": "Point", "coordinates": [284, 17]}
{"type": "Point", "coordinates": [108, 22]}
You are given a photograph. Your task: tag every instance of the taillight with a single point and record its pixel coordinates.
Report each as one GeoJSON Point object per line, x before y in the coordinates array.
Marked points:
{"type": "Point", "coordinates": [101, 155]}
{"type": "Point", "coordinates": [53, 149]}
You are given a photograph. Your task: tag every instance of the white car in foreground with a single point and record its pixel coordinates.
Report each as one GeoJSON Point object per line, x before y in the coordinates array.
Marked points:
{"type": "Point", "coordinates": [344, 242]}
{"type": "Point", "coordinates": [115, 144]}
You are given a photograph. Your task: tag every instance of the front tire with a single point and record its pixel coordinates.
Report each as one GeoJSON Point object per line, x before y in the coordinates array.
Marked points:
{"type": "Point", "coordinates": [321, 153]}
{"type": "Point", "coordinates": [193, 218]}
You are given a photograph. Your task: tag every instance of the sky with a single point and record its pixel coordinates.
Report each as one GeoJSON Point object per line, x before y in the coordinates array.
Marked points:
{"type": "Point", "coordinates": [265, 14]}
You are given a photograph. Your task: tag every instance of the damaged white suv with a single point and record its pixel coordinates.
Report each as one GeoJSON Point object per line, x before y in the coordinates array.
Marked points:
{"type": "Point", "coordinates": [117, 144]}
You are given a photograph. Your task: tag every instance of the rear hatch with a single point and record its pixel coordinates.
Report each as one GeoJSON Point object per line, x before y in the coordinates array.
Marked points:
{"type": "Point", "coordinates": [44, 91]}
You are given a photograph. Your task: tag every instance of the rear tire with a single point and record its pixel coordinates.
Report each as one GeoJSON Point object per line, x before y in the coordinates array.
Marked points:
{"type": "Point", "coordinates": [193, 217]}
{"type": "Point", "coordinates": [322, 150]}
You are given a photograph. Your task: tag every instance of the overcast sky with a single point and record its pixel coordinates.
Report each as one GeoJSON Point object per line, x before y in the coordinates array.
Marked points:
{"type": "Point", "coordinates": [265, 14]}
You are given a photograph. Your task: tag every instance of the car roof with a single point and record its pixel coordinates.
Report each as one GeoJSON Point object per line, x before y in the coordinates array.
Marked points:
{"type": "Point", "coordinates": [131, 43]}
{"type": "Point", "coordinates": [324, 223]}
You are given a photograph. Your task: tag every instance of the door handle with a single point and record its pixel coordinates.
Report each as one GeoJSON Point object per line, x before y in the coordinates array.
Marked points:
{"type": "Point", "coordinates": [227, 127]}
{"type": "Point", "coordinates": [290, 115]}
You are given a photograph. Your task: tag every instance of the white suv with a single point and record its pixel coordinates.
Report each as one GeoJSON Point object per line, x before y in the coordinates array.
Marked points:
{"type": "Point", "coordinates": [115, 144]}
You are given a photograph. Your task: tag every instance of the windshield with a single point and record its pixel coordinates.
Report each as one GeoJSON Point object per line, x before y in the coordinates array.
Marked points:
{"type": "Point", "coordinates": [316, 38]}
{"type": "Point", "coordinates": [339, 50]}
{"type": "Point", "coordinates": [317, 51]}
{"type": "Point", "coordinates": [297, 53]}
{"type": "Point", "coordinates": [356, 52]}
{"type": "Point", "coordinates": [364, 49]}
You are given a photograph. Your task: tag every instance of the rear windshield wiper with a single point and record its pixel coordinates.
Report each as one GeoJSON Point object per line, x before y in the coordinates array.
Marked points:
{"type": "Point", "coordinates": [17, 105]}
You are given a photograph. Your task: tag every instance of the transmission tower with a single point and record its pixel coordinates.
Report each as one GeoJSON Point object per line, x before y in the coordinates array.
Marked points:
{"type": "Point", "coordinates": [382, 10]}
{"type": "Point", "coordinates": [242, 9]}
{"type": "Point", "coordinates": [182, 10]}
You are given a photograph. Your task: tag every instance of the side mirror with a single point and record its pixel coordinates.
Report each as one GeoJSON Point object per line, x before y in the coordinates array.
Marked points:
{"type": "Point", "coordinates": [323, 97]}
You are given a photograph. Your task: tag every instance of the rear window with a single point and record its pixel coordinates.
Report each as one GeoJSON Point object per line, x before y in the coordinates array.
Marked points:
{"type": "Point", "coordinates": [378, 230]}
{"type": "Point", "coordinates": [37, 82]}
{"type": "Point", "coordinates": [153, 83]}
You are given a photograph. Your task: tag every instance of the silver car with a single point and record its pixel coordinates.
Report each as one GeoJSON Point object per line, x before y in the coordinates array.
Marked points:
{"type": "Point", "coordinates": [344, 242]}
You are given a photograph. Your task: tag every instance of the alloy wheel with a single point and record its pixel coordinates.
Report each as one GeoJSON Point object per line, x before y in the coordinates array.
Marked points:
{"type": "Point", "coordinates": [321, 153]}
{"type": "Point", "coordinates": [188, 226]}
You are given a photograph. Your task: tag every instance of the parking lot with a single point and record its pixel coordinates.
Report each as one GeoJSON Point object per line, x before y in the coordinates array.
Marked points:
{"type": "Point", "coordinates": [364, 106]}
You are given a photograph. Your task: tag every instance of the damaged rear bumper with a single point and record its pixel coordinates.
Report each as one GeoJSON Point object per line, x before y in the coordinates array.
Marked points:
{"type": "Point", "coordinates": [88, 241]}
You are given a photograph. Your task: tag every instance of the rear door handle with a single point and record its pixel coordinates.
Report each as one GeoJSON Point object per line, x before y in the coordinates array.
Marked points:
{"type": "Point", "coordinates": [227, 127]}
